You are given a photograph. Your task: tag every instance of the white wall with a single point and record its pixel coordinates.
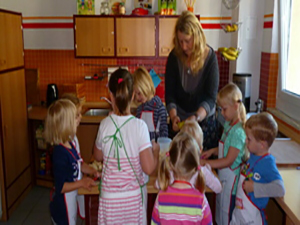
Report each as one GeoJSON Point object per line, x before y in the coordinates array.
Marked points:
{"type": "Point", "coordinates": [250, 39]}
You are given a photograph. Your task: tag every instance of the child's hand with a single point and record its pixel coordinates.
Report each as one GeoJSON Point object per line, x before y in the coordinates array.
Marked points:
{"type": "Point", "coordinates": [203, 162]}
{"type": "Point", "coordinates": [248, 185]}
{"type": "Point", "coordinates": [88, 183]}
{"type": "Point", "coordinates": [175, 122]}
{"type": "Point", "coordinates": [155, 147]}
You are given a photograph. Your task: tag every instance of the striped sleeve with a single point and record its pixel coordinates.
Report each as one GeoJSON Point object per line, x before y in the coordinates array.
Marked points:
{"type": "Point", "coordinates": [162, 114]}
{"type": "Point", "coordinates": [155, 213]}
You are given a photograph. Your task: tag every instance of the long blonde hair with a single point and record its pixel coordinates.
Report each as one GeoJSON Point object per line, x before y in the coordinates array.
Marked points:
{"type": "Point", "coordinates": [193, 128]}
{"type": "Point", "coordinates": [143, 82]}
{"type": "Point", "coordinates": [183, 160]}
{"type": "Point", "coordinates": [231, 94]}
{"type": "Point", "coordinates": [60, 123]}
{"type": "Point", "coordinates": [188, 24]}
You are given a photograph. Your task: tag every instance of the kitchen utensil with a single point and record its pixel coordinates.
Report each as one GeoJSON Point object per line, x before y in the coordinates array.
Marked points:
{"type": "Point", "coordinates": [52, 94]}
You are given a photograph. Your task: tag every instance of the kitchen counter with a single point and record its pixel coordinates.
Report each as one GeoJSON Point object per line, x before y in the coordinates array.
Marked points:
{"type": "Point", "coordinates": [286, 153]}
{"type": "Point", "coordinates": [40, 112]}
{"type": "Point", "coordinates": [290, 203]}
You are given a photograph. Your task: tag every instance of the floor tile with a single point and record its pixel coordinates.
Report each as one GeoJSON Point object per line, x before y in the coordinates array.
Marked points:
{"type": "Point", "coordinates": [38, 218]}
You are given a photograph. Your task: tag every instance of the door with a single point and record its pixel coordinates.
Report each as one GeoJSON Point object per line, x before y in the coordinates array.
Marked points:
{"type": "Point", "coordinates": [135, 36]}
{"type": "Point", "coordinates": [166, 35]}
{"type": "Point", "coordinates": [94, 36]}
{"type": "Point", "coordinates": [14, 124]}
{"type": "Point", "coordinates": [11, 41]}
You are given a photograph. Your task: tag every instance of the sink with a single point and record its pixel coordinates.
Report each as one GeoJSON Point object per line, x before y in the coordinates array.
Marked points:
{"type": "Point", "coordinates": [97, 112]}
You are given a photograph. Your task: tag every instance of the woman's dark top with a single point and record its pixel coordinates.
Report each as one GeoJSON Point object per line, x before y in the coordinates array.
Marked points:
{"type": "Point", "coordinates": [205, 93]}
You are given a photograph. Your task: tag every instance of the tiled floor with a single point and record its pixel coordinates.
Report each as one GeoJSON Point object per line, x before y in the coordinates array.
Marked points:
{"type": "Point", "coordinates": [34, 210]}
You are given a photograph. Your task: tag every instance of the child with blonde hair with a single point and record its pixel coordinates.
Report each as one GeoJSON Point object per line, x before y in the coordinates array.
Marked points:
{"type": "Point", "coordinates": [124, 146]}
{"type": "Point", "coordinates": [193, 128]}
{"type": "Point", "coordinates": [83, 167]}
{"type": "Point", "coordinates": [181, 202]}
{"type": "Point", "coordinates": [230, 151]}
{"type": "Point", "coordinates": [260, 178]}
{"type": "Point", "coordinates": [151, 108]}
{"type": "Point", "coordinates": [60, 130]}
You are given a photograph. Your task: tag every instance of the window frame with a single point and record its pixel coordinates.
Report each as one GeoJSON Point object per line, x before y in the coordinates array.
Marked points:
{"type": "Point", "coordinates": [286, 102]}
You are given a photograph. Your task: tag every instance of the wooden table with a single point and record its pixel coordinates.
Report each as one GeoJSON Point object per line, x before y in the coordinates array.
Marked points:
{"type": "Point", "coordinates": [290, 203]}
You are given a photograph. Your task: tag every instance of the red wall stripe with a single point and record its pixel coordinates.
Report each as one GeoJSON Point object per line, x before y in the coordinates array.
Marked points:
{"type": "Point", "coordinates": [46, 25]}
{"type": "Point", "coordinates": [268, 24]}
{"type": "Point", "coordinates": [211, 26]}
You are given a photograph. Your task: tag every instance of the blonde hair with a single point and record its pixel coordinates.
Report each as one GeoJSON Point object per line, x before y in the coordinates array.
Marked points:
{"type": "Point", "coordinates": [193, 128]}
{"type": "Point", "coordinates": [73, 98]}
{"type": "Point", "coordinates": [143, 82]}
{"type": "Point", "coordinates": [60, 123]}
{"type": "Point", "coordinates": [183, 160]}
{"type": "Point", "coordinates": [263, 127]}
{"type": "Point", "coordinates": [189, 24]}
{"type": "Point", "coordinates": [231, 94]}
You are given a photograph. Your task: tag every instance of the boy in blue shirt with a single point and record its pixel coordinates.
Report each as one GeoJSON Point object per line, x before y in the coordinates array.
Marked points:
{"type": "Point", "coordinates": [259, 178]}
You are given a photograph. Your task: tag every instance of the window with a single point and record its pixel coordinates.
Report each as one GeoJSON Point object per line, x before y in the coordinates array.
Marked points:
{"type": "Point", "coordinates": [288, 94]}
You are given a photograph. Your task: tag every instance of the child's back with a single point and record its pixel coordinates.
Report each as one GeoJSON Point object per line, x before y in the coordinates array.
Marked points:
{"type": "Point", "coordinates": [180, 202]}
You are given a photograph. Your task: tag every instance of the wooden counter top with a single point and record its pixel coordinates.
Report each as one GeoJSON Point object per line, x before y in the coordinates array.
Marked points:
{"type": "Point", "coordinates": [286, 153]}
{"type": "Point", "coordinates": [290, 203]}
{"type": "Point", "coordinates": [40, 112]}
{"type": "Point", "coordinates": [150, 188]}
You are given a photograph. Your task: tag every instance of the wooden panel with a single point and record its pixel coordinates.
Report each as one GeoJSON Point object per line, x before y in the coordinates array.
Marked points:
{"type": "Point", "coordinates": [32, 86]}
{"type": "Point", "coordinates": [166, 35]}
{"type": "Point", "coordinates": [18, 187]}
{"type": "Point", "coordinates": [94, 36]}
{"type": "Point", "coordinates": [14, 122]}
{"type": "Point", "coordinates": [86, 134]}
{"type": "Point", "coordinates": [135, 36]}
{"type": "Point", "coordinates": [11, 44]}
{"type": "Point", "coordinates": [19, 200]}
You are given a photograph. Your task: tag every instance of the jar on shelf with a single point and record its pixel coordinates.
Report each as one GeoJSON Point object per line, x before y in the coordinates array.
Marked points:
{"type": "Point", "coordinates": [104, 9]}
{"type": "Point", "coordinates": [122, 8]}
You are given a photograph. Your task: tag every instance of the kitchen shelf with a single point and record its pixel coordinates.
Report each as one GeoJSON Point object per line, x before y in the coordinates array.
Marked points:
{"type": "Point", "coordinates": [48, 177]}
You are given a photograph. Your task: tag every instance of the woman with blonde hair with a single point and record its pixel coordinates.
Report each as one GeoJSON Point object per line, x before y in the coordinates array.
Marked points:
{"type": "Point", "coordinates": [192, 79]}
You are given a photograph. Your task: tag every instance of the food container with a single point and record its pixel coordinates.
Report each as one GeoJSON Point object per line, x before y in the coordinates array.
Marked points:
{"type": "Point", "coordinates": [164, 144]}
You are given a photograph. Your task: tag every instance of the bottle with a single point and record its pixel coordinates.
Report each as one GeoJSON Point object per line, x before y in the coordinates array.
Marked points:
{"type": "Point", "coordinates": [39, 137]}
{"type": "Point", "coordinates": [122, 8]}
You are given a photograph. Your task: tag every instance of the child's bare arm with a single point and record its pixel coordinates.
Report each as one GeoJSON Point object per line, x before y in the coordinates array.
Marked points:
{"type": "Point", "coordinates": [85, 168]}
{"type": "Point", "coordinates": [98, 155]}
{"type": "Point", "coordinates": [223, 162]}
{"type": "Point", "coordinates": [85, 182]}
{"type": "Point", "coordinates": [149, 158]}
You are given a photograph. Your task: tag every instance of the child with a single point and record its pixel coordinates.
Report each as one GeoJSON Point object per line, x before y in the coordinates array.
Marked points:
{"type": "Point", "coordinates": [260, 178]}
{"type": "Point", "coordinates": [151, 108]}
{"type": "Point", "coordinates": [230, 151]}
{"type": "Point", "coordinates": [60, 130]}
{"type": "Point", "coordinates": [124, 145]}
{"type": "Point", "coordinates": [193, 128]}
{"type": "Point", "coordinates": [83, 167]}
{"type": "Point", "coordinates": [180, 202]}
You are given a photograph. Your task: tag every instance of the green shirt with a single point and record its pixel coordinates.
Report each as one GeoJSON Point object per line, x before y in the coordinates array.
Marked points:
{"type": "Point", "coordinates": [236, 137]}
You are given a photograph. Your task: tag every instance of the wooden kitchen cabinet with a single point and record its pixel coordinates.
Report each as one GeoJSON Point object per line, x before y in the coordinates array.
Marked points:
{"type": "Point", "coordinates": [94, 36]}
{"type": "Point", "coordinates": [11, 40]}
{"type": "Point", "coordinates": [166, 34]}
{"type": "Point", "coordinates": [16, 169]}
{"type": "Point", "coordinates": [135, 36]}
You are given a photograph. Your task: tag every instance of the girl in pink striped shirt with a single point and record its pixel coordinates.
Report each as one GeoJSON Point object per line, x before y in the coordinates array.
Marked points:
{"type": "Point", "coordinates": [181, 202]}
{"type": "Point", "coordinates": [123, 144]}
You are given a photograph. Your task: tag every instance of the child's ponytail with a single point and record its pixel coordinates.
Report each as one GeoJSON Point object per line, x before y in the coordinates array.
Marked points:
{"type": "Point", "coordinates": [200, 181]}
{"type": "Point", "coordinates": [164, 173]}
{"type": "Point", "coordinates": [242, 112]}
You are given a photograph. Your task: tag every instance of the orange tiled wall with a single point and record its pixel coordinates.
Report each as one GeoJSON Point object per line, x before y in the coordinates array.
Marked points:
{"type": "Point", "coordinates": [61, 66]}
{"type": "Point", "coordinates": [268, 78]}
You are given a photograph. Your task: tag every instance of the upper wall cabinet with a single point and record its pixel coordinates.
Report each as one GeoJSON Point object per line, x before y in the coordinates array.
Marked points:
{"type": "Point", "coordinates": [11, 41]}
{"type": "Point", "coordinates": [135, 36]}
{"type": "Point", "coordinates": [94, 36]}
{"type": "Point", "coordinates": [166, 34]}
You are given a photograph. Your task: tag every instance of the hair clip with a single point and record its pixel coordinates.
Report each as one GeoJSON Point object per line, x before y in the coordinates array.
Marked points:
{"type": "Point", "coordinates": [167, 154]}
{"type": "Point", "coordinates": [199, 167]}
{"type": "Point", "coordinates": [239, 101]}
{"type": "Point", "coordinates": [120, 80]}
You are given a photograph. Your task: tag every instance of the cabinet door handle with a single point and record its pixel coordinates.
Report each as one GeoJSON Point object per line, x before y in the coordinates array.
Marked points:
{"type": "Point", "coordinates": [165, 50]}
{"type": "Point", "coordinates": [123, 49]}
{"type": "Point", "coordinates": [105, 50]}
